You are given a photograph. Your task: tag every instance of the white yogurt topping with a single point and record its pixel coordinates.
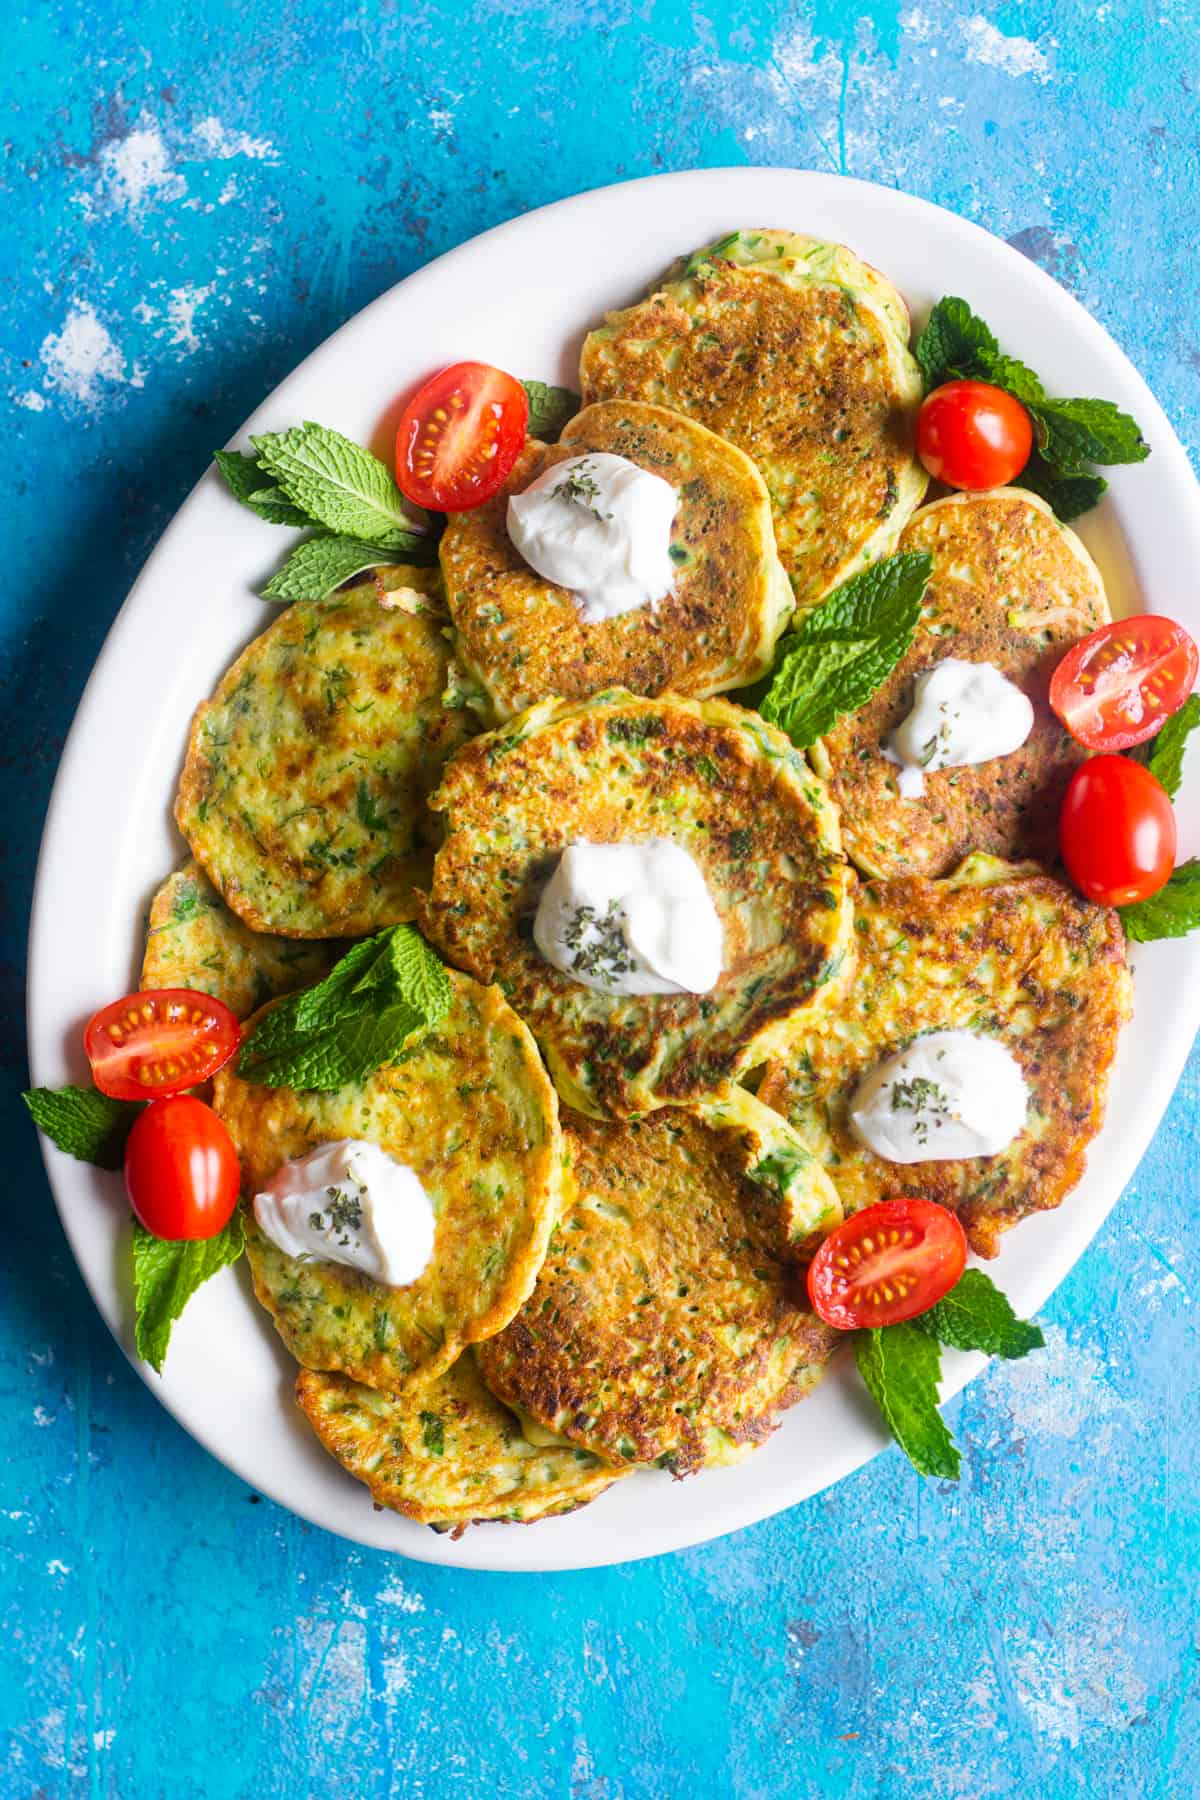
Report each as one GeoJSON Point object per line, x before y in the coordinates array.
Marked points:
{"type": "Point", "coordinates": [350, 1202]}
{"type": "Point", "coordinates": [950, 1095]}
{"type": "Point", "coordinates": [631, 919]}
{"type": "Point", "coordinates": [600, 526]}
{"type": "Point", "coordinates": [962, 712]}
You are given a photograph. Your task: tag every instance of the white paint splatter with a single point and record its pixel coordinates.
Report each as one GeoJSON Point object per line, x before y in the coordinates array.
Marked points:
{"type": "Point", "coordinates": [55, 1567]}
{"type": "Point", "coordinates": [1015, 55]}
{"type": "Point", "coordinates": [42, 1417]}
{"type": "Point", "coordinates": [213, 137]}
{"type": "Point", "coordinates": [397, 1595]}
{"type": "Point", "coordinates": [1080, 1675]}
{"type": "Point", "coordinates": [397, 1675]}
{"type": "Point", "coordinates": [916, 24]}
{"type": "Point", "coordinates": [136, 170]}
{"type": "Point", "coordinates": [228, 192]}
{"type": "Point", "coordinates": [81, 357]}
{"type": "Point", "coordinates": [182, 307]}
{"type": "Point", "coordinates": [1063, 1390]}
{"type": "Point", "coordinates": [32, 401]}
{"type": "Point", "coordinates": [442, 119]}
{"type": "Point", "coordinates": [103, 1740]}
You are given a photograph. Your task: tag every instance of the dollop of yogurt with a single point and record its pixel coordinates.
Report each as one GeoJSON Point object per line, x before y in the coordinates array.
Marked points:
{"type": "Point", "coordinates": [949, 1096]}
{"type": "Point", "coordinates": [350, 1202]}
{"type": "Point", "coordinates": [631, 919]}
{"type": "Point", "coordinates": [962, 712]}
{"type": "Point", "coordinates": [599, 526]}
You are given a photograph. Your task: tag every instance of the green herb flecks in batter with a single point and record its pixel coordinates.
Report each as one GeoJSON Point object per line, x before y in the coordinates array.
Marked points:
{"type": "Point", "coordinates": [1069, 434]}
{"type": "Point", "coordinates": [355, 1021]}
{"type": "Point", "coordinates": [842, 650]}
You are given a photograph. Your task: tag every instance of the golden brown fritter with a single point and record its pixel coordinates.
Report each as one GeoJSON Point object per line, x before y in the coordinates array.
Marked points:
{"type": "Point", "coordinates": [524, 639]}
{"type": "Point", "coordinates": [446, 1452]}
{"type": "Point", "coordinates": [796, 352]}
{"type": "Point", "coordinates": [1012, 587]}
{"type": "Point", "coordinates": [669, 1323]}
{"type": "Point", "coordinates": [704, 774]}
{"type": "Point", "coordinates": [1015, 955]}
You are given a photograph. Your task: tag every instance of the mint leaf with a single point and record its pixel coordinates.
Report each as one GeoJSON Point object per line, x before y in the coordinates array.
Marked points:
{"type": "Point", "coordinates": [901, 1367]}
{"type": "Point", "coordinates": [1172, 912]}
{"type": "Point", "coordinates": [1069, 495]}
{"type": "Point", "coordinates": [246, 482]}
{"type": "Point", "coordinates": [354, 1021]}
{"type": "Point", "coordinates": [1163, 755]}
{"type": "Point", "coordinates": [1071, 433]}
{"type": "Point", "coordinates": [165, 1276]}
{"type": "Point", "coordinates": [83, 1122]}
{"type": "Point", "coordinates": [338, 484]}
{"type": "Point", "coordinates": [838, 653]}
{"type": "Point", "coordinates": [320, 564]}
{"type": "Point", "coordinates": [549, 409]}
{"type": "Point", "coordinates": [975, 1315]}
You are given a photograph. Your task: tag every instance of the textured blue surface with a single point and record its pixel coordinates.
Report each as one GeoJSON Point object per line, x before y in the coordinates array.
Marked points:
{"type": "Point", "coordinates": [194, 197]}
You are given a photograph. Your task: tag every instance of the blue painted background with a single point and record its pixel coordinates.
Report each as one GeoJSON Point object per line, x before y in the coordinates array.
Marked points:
{"type": "Point", "coordinates": [194, 196]}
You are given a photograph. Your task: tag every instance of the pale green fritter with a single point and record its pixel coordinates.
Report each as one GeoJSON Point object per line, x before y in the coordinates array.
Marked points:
{"type": "Point", "coordinates": [670, 1322]}
{"type": "Point", "coordinates": [448, 1453]}
{"type": "Point", "coordinates": [194, 941]}
{"type": "Point", "coordinates": [796, 352]}
{"type": "Point", "coordinates": [1006, 952]}
{"type": "Point", "coordinates": [469, 1108]}
{"type": "Point", "coordinates": [524, 638]}
{"type": "Point", "coordinates": [704, 774]}
{"type": "Point", "coordinates": [304, 791]}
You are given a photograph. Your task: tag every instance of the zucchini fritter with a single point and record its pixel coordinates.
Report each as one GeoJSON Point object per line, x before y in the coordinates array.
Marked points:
{"type": "Point", "coordinates": [670, 1322]}
{"type": "Point", "coordinates": [993, 949]}
{"type": "Point", "coordinates": [303, 795]}
{"type": "Point", "coordinates": [796, 352]}
{"type": "Point", "coordinates": [523, 638]}
{"type": "Point", "coordinates": [728, 788]}
{"type": "Point", "coordinates": [469, 1108]}
{"type": "Point", "coordinates": [1011, 587]}
{"type": "Point", "coordinates": [446, 1452]}
{"type": "Point", "coordinates": [194, 941]}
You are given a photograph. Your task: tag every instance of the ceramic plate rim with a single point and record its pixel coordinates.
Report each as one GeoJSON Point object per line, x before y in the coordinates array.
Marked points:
{"type": "Point", "coordinates": [223, 1349]}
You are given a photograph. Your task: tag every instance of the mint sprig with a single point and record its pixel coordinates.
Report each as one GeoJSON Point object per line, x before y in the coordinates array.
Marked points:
{"type": "Point", "coordinates": [549, 409]}
{"type": "Point", "coordinates": [336, 483]}
{"type": "Point", "coordinates": [320, 564]}
{"type": "Point", "coordinates": [357, 1020]}
{"type": "Point", "coordinates": [1163, 755]}
{"type": "Point", "coordinates": [902, 1365]}
{"type": "Point", "coordinates": [1070, 434]}
{"type": "Point", "coordinates": [975, 1315]}
{"type": "Point", "coordinates": [166, 1274]}
{"type": "Point", "coordinates": [1171, 913]}
{"type": "Point", "coordinates": [838, 653]}
{"type": "Point", "coordinates": [84, 1122]}
{"type": "Point", "coordinates": [246, 481]}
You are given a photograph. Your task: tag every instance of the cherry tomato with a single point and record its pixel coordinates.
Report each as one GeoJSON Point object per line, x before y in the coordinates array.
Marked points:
{"type": "Point", "coordinates": [159, 1042]}
{"type": "Point", "coordinates": [1116, 831]}
{"type": "Point", "coordinates": [972, 435]}
{"type": "Point", "coordinates": [459, 437]}
{"type": "Point", "coordinates": [889, 1262]}
{"type": "Point", "coordinates": [181, 1169]}
{"type": "Point", "coordinates": [1114, 688]}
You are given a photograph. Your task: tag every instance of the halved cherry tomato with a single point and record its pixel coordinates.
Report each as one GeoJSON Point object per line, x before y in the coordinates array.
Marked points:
{"type": "Point", "coordinates": [972, 435]}
{"type": "Point", "coordinates": [181, 1169]}
{"type": "Point", "coordinates": [159, 1042]}
{"type": "Point", "coordinates": [1116, 831]}
{"type": "Point", "coordinates": [459, 437]}
{"type": "Point", "coordinates": [1116, 686]}
{"type": "Point", "coordinates": [889, 1262]}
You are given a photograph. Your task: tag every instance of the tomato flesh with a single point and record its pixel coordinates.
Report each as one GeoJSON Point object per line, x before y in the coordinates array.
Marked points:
{"type": "Point", "coordinates": [972, 435]}
{"type": "Point", "coordinates": [181, 1169]}
{"type": "Point", "coordinates": [1115, 687]}
{"type": "Point", "coordinates": [459, 437]}
{"type": "Point", "coordinates": [1116, 831]}
{"type": "Point", "coordinates": [887, 1263]}
{"type": "Point", "coordinates": [158, 1042]}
